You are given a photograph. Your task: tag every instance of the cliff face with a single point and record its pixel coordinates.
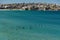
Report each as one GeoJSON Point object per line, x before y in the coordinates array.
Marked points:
{"type": "Point", "coordinates": [30, 6]}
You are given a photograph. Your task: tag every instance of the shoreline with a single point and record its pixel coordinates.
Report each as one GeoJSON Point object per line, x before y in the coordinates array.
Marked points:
{"type": "Point", "coordinates": [10, 9]}
{"type": "Point", "coordinates": [25, 10]}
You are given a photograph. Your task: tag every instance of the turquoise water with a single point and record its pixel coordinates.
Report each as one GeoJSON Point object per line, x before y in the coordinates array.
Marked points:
{"type": "Point", "coordinates": [29, 25]}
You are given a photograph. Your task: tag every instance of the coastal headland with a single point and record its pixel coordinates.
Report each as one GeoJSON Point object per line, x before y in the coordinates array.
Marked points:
{"type": "Point", "coordinates": [30, 6]}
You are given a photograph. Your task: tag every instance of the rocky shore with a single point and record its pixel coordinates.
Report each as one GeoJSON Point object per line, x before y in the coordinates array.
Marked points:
{"type": "Point", "coordinates": [30, 6]}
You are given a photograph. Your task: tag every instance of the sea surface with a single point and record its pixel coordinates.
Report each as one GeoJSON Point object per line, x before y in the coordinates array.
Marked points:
{"type": "Point", "coordinates": [29, 25]}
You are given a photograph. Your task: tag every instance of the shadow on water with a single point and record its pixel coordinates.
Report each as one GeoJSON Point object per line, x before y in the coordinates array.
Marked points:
{"type": "Point", "coordinates": [23, 27]}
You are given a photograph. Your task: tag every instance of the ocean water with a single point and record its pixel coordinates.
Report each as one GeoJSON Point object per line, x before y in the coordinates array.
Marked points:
{"type": "Point", "coordinates": [29, 25]}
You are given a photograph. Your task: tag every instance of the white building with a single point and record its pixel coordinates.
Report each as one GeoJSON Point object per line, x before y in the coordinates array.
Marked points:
{"type": "Point", "coordinates": [6, 6]}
